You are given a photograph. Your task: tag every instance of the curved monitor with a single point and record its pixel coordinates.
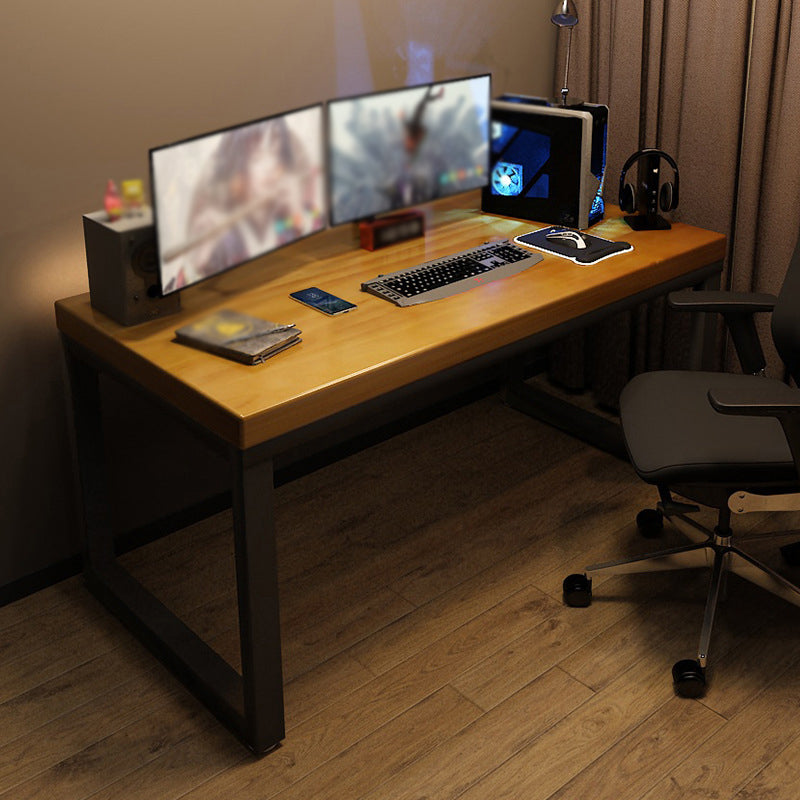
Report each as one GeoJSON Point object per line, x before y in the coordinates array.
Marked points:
{"type": "Point", "coordinates": [392, 150]}
{"type": "Point", "coordinates": [228, 197]}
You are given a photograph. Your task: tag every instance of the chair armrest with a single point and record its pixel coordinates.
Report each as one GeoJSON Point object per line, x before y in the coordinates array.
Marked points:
{"type": "Point", "coordinates": [721, 301]}
{"type": "Point", "coordinates": [763, 399]}
{"type": "Point", "coordinates": [737, 308]}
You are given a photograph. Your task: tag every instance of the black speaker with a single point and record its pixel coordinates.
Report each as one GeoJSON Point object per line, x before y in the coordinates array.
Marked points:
{"type": "Point", "coordinates": [642, 203]}
{"type": "Point", "coordinates": [123, 268]}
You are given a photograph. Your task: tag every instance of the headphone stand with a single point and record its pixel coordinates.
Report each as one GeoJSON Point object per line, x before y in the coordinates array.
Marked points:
{"type": "Point", "coordinates": [651, 194]}
{"type": "Point", "coordinates": [647, 222]}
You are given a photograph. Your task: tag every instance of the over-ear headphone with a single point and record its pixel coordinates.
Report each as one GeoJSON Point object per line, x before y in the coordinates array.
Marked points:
{"type": "Point", "coordinates": [652, 194]}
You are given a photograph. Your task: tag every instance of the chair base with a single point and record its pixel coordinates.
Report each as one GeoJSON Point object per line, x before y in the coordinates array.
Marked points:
{"type": "Point", "coordinates": [713, 549]}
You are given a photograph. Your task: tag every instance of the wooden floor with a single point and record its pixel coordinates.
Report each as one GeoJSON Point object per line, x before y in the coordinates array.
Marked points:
{"type": "Point", "coordinates": [427, 653]}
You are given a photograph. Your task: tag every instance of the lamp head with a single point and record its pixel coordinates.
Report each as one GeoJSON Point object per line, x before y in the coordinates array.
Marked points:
{"type": "Point", "coordinates": [565, 15]}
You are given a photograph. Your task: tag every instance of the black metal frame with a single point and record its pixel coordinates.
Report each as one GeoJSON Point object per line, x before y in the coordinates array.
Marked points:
{"type": "Point", "coordinates": [251, 703]}
{"type": "Point", "coordinates": [597, 430]}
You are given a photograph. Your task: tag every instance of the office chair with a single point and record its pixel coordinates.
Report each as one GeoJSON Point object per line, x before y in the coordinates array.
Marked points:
{"type": "Point", "coordinates": [726, 441]}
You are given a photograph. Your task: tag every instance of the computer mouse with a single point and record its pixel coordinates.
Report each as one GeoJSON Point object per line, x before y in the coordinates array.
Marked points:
{"type": "Point", "coordinates": [567, 237]}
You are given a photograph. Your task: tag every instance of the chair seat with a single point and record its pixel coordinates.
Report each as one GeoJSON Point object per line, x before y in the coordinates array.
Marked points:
{"type": "Point", "coordinates": [674, 436]}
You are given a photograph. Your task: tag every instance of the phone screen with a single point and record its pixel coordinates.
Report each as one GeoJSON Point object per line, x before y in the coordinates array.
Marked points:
{"type": "Point", "coordinates": [323, 301]}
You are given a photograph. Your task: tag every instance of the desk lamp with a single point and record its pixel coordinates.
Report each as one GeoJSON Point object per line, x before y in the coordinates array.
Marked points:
{"type": "Point", "coordinates": [565, 16]}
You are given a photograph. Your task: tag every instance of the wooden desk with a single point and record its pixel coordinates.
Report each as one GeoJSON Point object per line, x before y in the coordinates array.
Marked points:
{"type": "Point", "coordinates": [349, 371]}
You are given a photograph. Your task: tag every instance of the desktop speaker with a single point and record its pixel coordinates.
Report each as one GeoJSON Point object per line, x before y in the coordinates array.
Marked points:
{"type": "Point", "coordinates": [643, 202]}
{"type": "Point", "coordinates": [123, 268]}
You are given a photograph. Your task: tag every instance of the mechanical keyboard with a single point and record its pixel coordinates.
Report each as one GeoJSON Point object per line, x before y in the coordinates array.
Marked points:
{"type": "Point", "coordinates": [452, 274]}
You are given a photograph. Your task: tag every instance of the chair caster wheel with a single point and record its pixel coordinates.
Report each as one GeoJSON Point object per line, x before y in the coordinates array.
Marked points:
{"type": "Point", "coordinates": [650, 522]}
{"type": "Point", "coordinates": [689, 678]}
{"type": "Point", "coordinates": [577, 591]}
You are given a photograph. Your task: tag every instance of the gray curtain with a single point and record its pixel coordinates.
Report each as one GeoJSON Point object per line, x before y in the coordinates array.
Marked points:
{"type": "Point", "coordinates": [716, 84]}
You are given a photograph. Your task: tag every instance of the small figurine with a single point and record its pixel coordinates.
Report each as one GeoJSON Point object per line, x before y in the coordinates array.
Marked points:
{"type": "Point", "coordinates": [133, 197]}
{"type": "Point", "coordinates": [112, 201]}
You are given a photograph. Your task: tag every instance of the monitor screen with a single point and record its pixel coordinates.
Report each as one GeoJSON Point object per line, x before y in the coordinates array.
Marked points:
{"type": "Point", "coordinates": [230, 196]}
{"type": "Point", "coordinates": [392, 150]}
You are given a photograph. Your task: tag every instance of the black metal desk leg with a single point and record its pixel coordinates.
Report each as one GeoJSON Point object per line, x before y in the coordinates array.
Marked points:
{"type": "Point", "coordinates": [86, 407]}
{"type": "Point", "coordinates": [251, 704]}
{"type": "Point", "coordinates": [257, 582]}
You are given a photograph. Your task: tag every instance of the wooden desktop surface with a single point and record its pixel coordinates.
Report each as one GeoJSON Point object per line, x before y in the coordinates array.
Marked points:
{"type": "Point", "coordinates": [354, 357]}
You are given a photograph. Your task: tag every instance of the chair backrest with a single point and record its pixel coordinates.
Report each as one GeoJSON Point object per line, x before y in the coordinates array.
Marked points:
{"type": "Point", "coordinates": [786, 318]}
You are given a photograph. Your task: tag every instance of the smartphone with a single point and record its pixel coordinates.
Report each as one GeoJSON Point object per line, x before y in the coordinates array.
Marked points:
{"type": "Point", "coordinates": [325, 302]}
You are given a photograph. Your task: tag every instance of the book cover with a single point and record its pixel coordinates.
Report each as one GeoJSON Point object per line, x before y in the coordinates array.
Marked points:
{"type": "Point", "coordinates": [238, 336]}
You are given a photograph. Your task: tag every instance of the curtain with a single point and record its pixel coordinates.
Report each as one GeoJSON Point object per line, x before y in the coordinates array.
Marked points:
{"type": "Point", "coordinates": [716, 84]}
{"type": "Point", "coordinates": [767, 215]}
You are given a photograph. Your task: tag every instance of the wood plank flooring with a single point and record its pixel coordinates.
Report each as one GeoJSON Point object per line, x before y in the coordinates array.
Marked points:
{"type": "Point", "coordinates": [427, 653]}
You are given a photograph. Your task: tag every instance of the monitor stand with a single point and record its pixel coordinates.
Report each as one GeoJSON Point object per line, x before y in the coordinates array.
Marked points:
{"type": "Point", "coordinates": [393, 228]}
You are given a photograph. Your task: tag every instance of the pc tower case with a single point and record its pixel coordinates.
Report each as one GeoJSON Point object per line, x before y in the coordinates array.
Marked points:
{"type": "Point", "coordinates": [547, 161]}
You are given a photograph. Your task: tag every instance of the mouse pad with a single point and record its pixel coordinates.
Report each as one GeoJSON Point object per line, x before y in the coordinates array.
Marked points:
{"type": "Point", "coordinates": [596, 248]}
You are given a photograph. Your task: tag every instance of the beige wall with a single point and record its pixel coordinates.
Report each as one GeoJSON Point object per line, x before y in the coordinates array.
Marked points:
{"type": "Point", "coordinates": [87, 87]}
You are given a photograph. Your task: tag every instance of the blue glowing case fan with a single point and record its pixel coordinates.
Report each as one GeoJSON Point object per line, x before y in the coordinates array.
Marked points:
{"type": "Point", "coordinates": [547, 161]}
